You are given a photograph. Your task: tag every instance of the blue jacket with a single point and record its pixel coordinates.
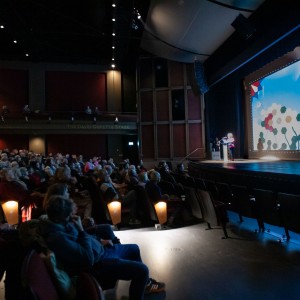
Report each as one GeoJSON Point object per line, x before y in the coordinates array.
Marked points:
{"type": "Point", "coordinates": [75, 250]}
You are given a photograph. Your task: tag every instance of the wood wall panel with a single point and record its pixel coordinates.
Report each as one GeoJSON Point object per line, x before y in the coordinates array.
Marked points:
{"type": "Point", "coordinates": [73, 91]}
{"type": "Point", "coordinates": [88, 145]}
{"type": "Point", "coordinates": [162, 105]}
{"type": "Point", "coordinates": [16, 141]}
{"type": "Point", "coordinates": [146, 73]}
{"type": "Point", "coordinates": [147, 141]}
{"type": "Point", "coordinates": [179, 140]}
{"type": "Point", "coordinates": [176, 74]}
{"type": "Point", "coordinates": [195, 138]}
{"type": "Point", "coordinates": [14, 89]}
{"type": "Point", "coordinates": [146, 107]}
{"type": "Point", "coordinates": [194, 106]}
{"type": "Point", "coordinates": [163, 141]}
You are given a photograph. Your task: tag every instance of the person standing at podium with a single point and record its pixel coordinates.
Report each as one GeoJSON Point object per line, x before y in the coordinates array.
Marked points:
{"type": "Point", "coordinates": [229, 141]}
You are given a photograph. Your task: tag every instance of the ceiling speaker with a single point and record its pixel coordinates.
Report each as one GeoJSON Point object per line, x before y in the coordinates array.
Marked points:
{"type": "Point", "coordinates": [200, 77]}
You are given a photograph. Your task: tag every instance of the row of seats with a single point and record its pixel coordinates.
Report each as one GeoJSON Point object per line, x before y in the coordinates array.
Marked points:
{"type": "Point", "coordinates": [203, 203]}
{"type": "Point", "coordinates": [28, 276]}
{"type": "Point", "coordinates": [210, 200]}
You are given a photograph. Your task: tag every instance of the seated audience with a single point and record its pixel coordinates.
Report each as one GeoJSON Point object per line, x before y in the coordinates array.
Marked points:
{"type": "Point", "coordinates": [80, 197]}
{"type": "Point", "coordinates": [153, 189]}
{"type": "Point", "coordinates": [76, 250]}
{"type": "Point", "coordinates": [110, 192]}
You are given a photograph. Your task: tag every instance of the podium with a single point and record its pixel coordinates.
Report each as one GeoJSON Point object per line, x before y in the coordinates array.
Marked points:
{"type": "Point", "coordinates": [215, 155]}
{"type": "Point", "coordinates": [225, 152]}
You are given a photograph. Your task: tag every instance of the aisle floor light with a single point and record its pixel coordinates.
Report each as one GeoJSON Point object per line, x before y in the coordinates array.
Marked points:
{"type": "Point", "coordinates": [161, 212]}
{"type": "Point", "coordinates": [114, 209]}
{"type": "Point", "coordinates": [11, 211]}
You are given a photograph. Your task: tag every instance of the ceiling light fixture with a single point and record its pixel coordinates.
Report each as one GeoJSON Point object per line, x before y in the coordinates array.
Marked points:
{"type": "Point", "coordinates": [15, 41]}
{"type": "Point", "coordinates": [113, 5]}
{"type": "Point", "coordinates": [2, 26]}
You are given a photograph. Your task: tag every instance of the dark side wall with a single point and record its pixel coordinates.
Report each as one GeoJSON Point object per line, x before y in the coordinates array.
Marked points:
{"type": "Point", "coordinates": [277, 25]}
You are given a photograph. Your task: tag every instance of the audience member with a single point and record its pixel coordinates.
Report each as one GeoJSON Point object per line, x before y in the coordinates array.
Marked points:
{"type": "Point", "coordinates": [76, 250]}
{"type": "Point", "coordinates": [111, 193]}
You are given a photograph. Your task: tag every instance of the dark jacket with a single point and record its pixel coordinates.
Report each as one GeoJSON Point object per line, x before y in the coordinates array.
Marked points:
{"type": "Point", "coordinates": [75, 250]}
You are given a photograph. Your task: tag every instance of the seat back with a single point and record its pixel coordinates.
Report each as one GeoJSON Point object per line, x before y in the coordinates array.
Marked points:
{"type": "Point", "coordinates": [208, 210]}
{"type": "Point", "coordinates": [88, 287]}
{"type": "Point", "coordinates": [145, 206]}
{"type": "Point", "coordinates": [40, 284]}
{"type": "Point", "coordinates": [189, 187]}
{"type": "Point", "coordinates": [37, 278]}
{"type": "Point", "coordinates": [225, 193]}
{"type": "Point", "coordinates": [241, 201]}
{"type": "Point", "coordinates": [290, 211]}
{"type": "Point", "coordinates": [268, 208]}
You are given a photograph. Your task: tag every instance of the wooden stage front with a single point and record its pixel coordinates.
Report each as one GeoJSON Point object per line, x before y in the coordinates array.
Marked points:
{"type": "Point", "coordinates": [280, 176]}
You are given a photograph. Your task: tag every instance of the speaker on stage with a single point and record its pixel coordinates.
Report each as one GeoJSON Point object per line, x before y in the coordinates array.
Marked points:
{"type": "Point", "coordinates": [243, 26]}
{"type": "Point", "coordinates": [200, 77]}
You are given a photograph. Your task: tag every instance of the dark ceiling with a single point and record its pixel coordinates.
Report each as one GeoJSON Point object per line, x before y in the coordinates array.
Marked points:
{"type": "Point", "coordinates": [76, 31]}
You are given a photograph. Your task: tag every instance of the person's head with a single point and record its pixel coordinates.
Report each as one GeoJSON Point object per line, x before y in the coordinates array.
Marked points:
{"type": "Point", "coordinates": [103, 176]}
{"type": "Point", "coordinates": [180, 168]}
{"type": "Point", "coordinates": [229, 135]}
{"type": "Point", "coordinates": [24, 172]}
{"type": "Point", "coordinates": [8, 175]}
{"type": "Point", "coordinates": [60, 189]}
{"type": "Point", "coordinates": [154, 176]}
{"type": "Point", "coordinates": [143, 177]}
{"type": "Point", "coordinates": [109, 169]}
{"type": "Point", "coordinates": [59, 209]}
{"type": "Point", "coordinates": [62, 174]}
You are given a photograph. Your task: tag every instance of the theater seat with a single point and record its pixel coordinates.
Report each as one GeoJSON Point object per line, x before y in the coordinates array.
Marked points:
{"type": "Point", "coordinates": [39, 283]}
{"type": "Point", "coordinates": [290, 211]}
{"type": "Point", "coordinates": [214, 212]}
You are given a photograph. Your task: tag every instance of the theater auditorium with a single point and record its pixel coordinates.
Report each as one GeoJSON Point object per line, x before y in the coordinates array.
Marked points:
{"type": "Point", "coordinates": [149, 149]}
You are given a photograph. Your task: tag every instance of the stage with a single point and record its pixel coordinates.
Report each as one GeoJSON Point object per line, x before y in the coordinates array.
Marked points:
{"type": "Point", "coordinates": [283, 176]}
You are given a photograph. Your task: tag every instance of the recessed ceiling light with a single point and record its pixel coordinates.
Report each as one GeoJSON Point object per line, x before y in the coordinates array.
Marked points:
{"type": "Point", "coordinates": [15, 41]}
{"type": "Point", "coordinates": [113, 19]}
{"type": "Point", "coordinates": [113, 66]}
{"type": "Point", "coordinates": [114, 5]}
{"type": "Point", "coordinates": [112, 59]}
{"type": "Point", "coordinates": [113, 34]}
{"type": "Point", "coordinates": [2, 26]}
{"type": "Point", "coordinates": [113, 47]}
{"type": "Point", "coordinates": [27, 54]}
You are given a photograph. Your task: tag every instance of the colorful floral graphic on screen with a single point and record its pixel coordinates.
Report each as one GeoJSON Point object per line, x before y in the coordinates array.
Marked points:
{"type": "Point", "coordinates": [276, 110]}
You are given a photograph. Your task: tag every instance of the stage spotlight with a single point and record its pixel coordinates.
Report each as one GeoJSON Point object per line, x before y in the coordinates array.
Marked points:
{"type": "Point", "coordinates": [134, 25]}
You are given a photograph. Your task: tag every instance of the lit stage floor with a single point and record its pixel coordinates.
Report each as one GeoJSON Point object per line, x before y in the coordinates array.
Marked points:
{"type": "Point", "coordinates": [256, 165]}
